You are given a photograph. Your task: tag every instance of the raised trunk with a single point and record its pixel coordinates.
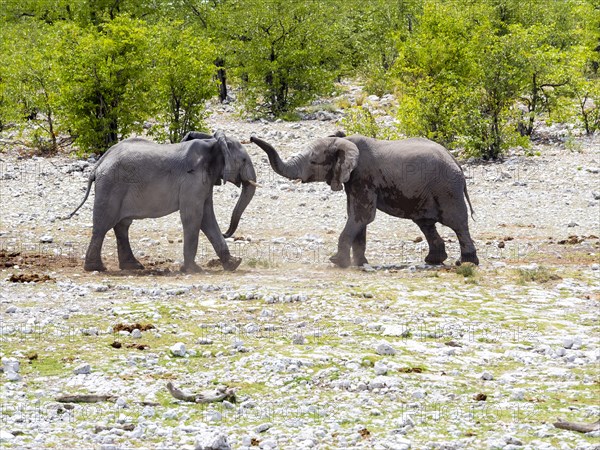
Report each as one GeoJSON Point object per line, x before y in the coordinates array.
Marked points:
{"type": "Point", "coordinates": [282, 168]}
{"type": "Point", "coordinates": [248, 190]}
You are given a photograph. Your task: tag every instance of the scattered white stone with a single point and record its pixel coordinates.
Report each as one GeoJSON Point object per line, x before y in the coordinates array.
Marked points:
{"type": "Point", "coordinates": [5, 436]}
{"type": "Point", "coordinates": [136, 333]}
{"type": "Point", "coordinates": [298, 339]}
{"type": "Point", "coordinates": [82, 369]}
{"type": "Point", "coordinates": [380, 368]}
{"type": "Point", "coordinates": [568, 342]}
{"type": "Point", "coordinates": [211, 440]}
{"type": "Point", "coordinates": [263, 427]}
{"type": "Point", "coordinates": [487, 376]}
{"type": "Point", "coordinates": [11, 364]}
{"type": "Point", "coordinates": [178, 349]}
{"type": "Point", "coordinates": [385, 349]}
{"type": "Point", "coordinates": [46, 239]}
{"type": "Point", "coordinates": [11, 309]}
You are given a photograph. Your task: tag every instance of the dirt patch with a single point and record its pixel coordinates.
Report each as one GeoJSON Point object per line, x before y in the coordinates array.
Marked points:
{"type": "Point", "coordinates": [37, 260]}
{"type": "Point", "coordinates": [130, 327]}
{"type": "Point", "coordinates": [29, 278]}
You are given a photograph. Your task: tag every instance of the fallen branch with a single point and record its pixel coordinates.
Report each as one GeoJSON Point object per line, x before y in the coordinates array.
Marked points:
{"type": "Point", "coordinates": [577, 426]}
{"type": "Point", "coordinates": [220, 394]}
{"type": "Point", "coordinates": [86, 398]}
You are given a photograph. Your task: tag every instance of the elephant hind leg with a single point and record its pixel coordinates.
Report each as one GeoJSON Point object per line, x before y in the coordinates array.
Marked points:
{"type": "Point", "coordinates": [358, 248]}
{"type": "Point", "coordinates": [468, 253]}
{"type": "Point", "coordinates": [437, 249]}
{"type": "Point", "coordinates": [126, 259]}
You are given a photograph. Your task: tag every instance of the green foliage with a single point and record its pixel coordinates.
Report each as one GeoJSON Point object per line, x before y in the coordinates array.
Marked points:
{"type": "Point", "coordinates": [282, 53]}
{"type": "Point", "coordinates": [360, 120]}
{"type": "Point", "coordinates": [184, 72]}
{"type": "Point", "coordinates": [106, 92]}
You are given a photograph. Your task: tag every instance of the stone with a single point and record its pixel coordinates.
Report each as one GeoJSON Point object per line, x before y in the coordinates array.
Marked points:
{"type": "Point", "coordinates": [263, 427]}
{"type": "Point", "coordinates": [11, 309]}
{"type": "Point", "coordinates": [136, 333]}
{"type": "Point", "coordinates": [380, 368]}
{"type": "Point", "coordinates": [211, 440]}
{"type": "Point", "coordinates": [178, 349]}
{"type": "Point", "coordinates": [82, 369]}
{"type": "Point", "coordinates": [11, 364]}
{"type": "Point", "coordinates": [46, 239]}
{"type": "Point", "coordinates": [487, 376]}
{"type": "Point", "coordinates": [298, 339]}
{"type": "Point", "coordinates": [385, 349]}
{"type": "Point", "coordinates": [5, 436]}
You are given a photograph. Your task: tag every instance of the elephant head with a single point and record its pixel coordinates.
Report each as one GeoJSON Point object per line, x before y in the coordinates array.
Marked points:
{"type": "Point", "coordinates": [237, 169]}
{"type": "Point", "coordinates": [330, 159]}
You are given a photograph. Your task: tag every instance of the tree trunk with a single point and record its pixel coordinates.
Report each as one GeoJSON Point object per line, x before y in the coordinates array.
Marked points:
{"type": "Point", "coordinates": [222, 77]}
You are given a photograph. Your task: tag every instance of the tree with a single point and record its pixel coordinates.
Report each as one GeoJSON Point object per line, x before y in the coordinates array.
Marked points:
{"type": "Point", "coordinates": [106, 87]}
{"type": "Point", "coordinates": [33, 79]}
{"type": "Point", "coordinates": [184, 73]}
{"type": "Point", "coordinates": [283, 53]}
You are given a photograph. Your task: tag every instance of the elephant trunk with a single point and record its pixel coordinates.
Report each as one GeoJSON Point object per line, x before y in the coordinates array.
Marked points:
{"type": "Point", "coordinates": [285, 169]}
{"type": "Point", "coordinates": [248, 189]}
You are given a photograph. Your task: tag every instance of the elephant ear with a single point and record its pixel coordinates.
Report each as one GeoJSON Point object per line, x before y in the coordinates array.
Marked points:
{"type": "Point", "coordinates": [346, 159]}
{"type": "Point", "coordinates": [227, 174]}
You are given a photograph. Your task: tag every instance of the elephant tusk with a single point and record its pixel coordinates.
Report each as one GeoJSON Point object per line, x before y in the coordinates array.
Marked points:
{"type": "Point", "coordinates": [254, 183]}
{"type": "Point", "coordinates": [298, 180]}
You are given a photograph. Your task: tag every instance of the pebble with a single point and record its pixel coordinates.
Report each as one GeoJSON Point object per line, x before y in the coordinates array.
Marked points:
{"type": "Point", "coordinates": [11, 365]}
{"type": "Point", "coordinates": [380, 368]}
{"type": "Point", "coordinates": [385, 349]}
{"type": "Point", "coordinates": [5, 436]}
{"type": "Point", "coordinates": [178, 349]}
{"type": "Point", "coordinates": [82, 369]}
{"type": "Point", "coordinates": [11, 309]}
{"type": "Point", "coordinates": [211, 440]}
{"type": "Point", "coordinates": [298, 339]}
{"type": "Point", "coordinates": [136, 333]}
{"type": "Point", "coordinates": [263, 427]}
{"type": "Point", "coordinates": [487, 376]}
{"type": "Point", "coordinates": [46, 239]}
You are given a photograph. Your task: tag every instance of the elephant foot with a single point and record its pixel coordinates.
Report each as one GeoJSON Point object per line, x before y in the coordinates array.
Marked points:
{"type": "Point", "coordinates": [359, 261]}
{"type": "Point", "coordinates": [232, 263]}
{"type": "Point", "coordinates": [191, 268]}
{"type": "Point", "coordinates": [131, 265]}
{"type": "Point", "coordinates": [94, 267]}
{"type": "Point", "coordinates": [468, 258]}
{"type": "Point", "coordinates": [340, 261]}
{"type": "Point", "coordinates": [436, 258]}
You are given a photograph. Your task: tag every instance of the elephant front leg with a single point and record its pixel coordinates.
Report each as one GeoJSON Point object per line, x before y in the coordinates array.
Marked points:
{"type": "Point", "coordinates": [358, 248]}
{"type": "Point", "coordinates": [191, 220]}
{"type": "Point", "coordinates": [211, 229]}
{"type": "Point", "coordinates": [361, 212]}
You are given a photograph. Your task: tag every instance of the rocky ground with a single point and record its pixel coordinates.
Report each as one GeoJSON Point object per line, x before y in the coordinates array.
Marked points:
{"type": "Point", "coordinates": [397, 355]}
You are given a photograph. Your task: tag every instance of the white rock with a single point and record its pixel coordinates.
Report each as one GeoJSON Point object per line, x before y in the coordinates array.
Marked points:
{"type": "Point", "coordinates": [419, 393]}
{"type": "Point", "coordinates": [385, 349]}
{"type": "Point", "coordinates": [136, 333]}
{"type": "Point", "coordinates": [381, 368]}
{"type": "Point", "coordinates": [263, 427]}
{"type": "Point", "coordinates": [82, 369]}
{"type": "Point", "coordinates": [5, 436]}
{"type": "Point", "coordinates": [11, 364]}
{"type": "Point", "coordinates": [12, 375]}
{"type": "Point", "coordinates": [178, 349]}
{"type": "Point", "coordinates": [568, 342]}
{"type": "Point", "coordinates": [11, 309]}
{"type": "Point", "coordinates": [46, 239]}
{"type": "Point", "coordinates": [211, 440]}
{"type": "Point", "coordinates": [487, 376]}
{"type": "Point", "coordinates": [298, 339]}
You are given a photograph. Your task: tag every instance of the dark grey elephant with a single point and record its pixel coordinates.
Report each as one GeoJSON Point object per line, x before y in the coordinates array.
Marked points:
{"type": "Point", "coordinates": [138, 179]}
{"type": "Point", "coordinates": [414, 179]}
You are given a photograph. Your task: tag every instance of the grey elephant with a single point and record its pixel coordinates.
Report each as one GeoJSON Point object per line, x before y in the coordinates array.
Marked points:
{"type": "Point", "coordinates": [413, 179]}
{"type": "Point", "coordinates": [138, 179]}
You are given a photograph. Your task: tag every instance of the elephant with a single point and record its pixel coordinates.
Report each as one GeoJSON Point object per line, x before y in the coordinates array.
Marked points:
{"type": "Point", "coordinates": [414, 179]}
{"type": "Point", "coordinates": [138, 179]}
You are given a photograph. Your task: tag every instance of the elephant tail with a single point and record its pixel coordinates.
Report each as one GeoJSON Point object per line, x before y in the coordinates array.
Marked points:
{"type": "Point", "coordinates": [91, 179]}
{"type": "Point", "coordinates": [469, 201]}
